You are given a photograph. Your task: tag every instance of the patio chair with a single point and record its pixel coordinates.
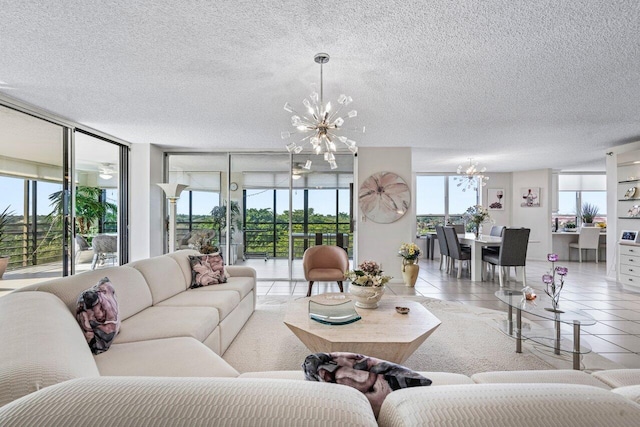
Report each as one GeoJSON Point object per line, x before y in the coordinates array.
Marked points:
{"type": "Point", "coordinates": [104, 246]}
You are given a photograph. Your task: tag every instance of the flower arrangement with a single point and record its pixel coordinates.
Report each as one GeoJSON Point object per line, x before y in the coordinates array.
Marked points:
{"type": "Point", "coordinates": [476, 215]}
{"type": "Point", "coordinates": [368, 273]}
{"type": "Point", "coordinates": [409, 251]}
{"type": "Point", "coordinates": [553, 288]}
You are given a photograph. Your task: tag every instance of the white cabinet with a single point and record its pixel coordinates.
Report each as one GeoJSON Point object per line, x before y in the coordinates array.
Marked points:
{"type": "Point", "coordinates": [629, 268]}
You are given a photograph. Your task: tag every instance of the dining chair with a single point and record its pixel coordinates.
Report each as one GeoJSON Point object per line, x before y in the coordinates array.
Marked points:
{"type": "Point", "coordinates": [325, 263]}
{"type": "Point", "coordinates": [456, 252]}
{"type": "Point", "coordinates": [459, 228]}
{"type": "Point", "coordinates": [496, 231]}
{"type": "Point", "coordinates": [444, 249]}
{"type": "Point", "coordinates": [513, 253]}
{"type": "Point", "coordinates": [589, 238]}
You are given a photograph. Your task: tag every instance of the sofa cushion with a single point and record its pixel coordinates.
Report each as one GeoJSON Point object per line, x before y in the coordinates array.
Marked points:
{"type": "Point", "coordinates": [224, 301]}
{"type": "Point", "coordinates": [168, 322]}
{"type": "Point", "coordinates": [163, 276]}
{"type": "Point", "coordinates": [508, 405]}
{"type": "Point", "coordinates": [206, 270]}
{"type": "Point", "coordinates": [618, 377]}
{"type": "Point", "coordinates": [132, 289]}
{"type": "Point", "coordinates": [98, 316]}
{"type": "Point", "coordinates": [242, 285]}
{"type": "Point", "coordinates": [182, 258]}
{"type": "Point", "coordinates": [153, 401]}
{"type": "Point", "coordinates": [172, 357]}
{"type": "Point", "coordinates": [631, 392]}
{"type": "Point", "coordinates": [40, 345]}
{"type": "Point", "coordinates": [560, 376]}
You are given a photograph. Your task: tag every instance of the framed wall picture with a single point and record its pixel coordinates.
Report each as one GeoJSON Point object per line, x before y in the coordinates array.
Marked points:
{"type": "Point", "coordinates": [384, 197]}
{"type": "Point", "coordinates": [495, 199]}
{"type": "Point", "coordinates": [530, 197]}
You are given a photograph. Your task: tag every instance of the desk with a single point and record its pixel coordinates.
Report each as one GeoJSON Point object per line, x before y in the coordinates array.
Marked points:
{"type": "Point", "coordinates": [560, 245]}
{"type": "Point", "coordinates": [430, 238]}
{"type": "Point", "coordinates": [476, 251]}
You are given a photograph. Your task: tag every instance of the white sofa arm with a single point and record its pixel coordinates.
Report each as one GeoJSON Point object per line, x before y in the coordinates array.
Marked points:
{"type": "Point", "coordinates": [240, 271]}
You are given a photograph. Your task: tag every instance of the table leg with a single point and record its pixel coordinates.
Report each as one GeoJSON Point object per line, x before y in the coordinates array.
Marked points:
{"type": "Point", "coordinates": [510, 320]}
{"type": "Point", "coordinates": [431, 244]}
{"type": "Point", "coordinates": [518, 330]}
{"type": "Point", "coordinates": [576, 345]}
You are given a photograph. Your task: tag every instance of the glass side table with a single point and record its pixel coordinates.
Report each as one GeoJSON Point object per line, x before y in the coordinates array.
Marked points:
{"type": "Point", "coordinates": [541, 307]}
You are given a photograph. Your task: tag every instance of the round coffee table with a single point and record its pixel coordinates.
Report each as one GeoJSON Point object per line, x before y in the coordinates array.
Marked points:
{"type": "Point", "coordinates": [381, 333]}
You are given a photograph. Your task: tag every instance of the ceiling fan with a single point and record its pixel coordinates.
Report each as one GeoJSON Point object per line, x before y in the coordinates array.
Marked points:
{"type": "Point", "coordinates": [298, 169]}
{"type": "Point", "coordinates": [107, 170]}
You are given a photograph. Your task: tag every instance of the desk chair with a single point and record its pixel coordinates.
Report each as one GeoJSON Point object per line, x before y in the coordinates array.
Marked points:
{"type": "Point", "coordinates": [589, 238]}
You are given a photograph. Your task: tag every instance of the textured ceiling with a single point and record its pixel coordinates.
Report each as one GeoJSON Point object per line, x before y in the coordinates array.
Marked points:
{"type": "Point", "coordinates": [514, 84]}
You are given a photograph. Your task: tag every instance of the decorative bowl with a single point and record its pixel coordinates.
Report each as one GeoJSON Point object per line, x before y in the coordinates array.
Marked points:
{"type": "Point", "coordinates": [402, 310]}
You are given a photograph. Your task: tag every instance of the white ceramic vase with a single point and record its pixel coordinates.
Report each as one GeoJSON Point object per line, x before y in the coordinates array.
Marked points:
{"type": "Point", "coordinates": [366, 296]}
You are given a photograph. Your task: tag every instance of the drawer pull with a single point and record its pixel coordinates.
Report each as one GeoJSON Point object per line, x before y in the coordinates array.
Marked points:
{"type": "Point", "coordinates": [631, 269]}
{"type": "Point", "coordinates": [631, 260]}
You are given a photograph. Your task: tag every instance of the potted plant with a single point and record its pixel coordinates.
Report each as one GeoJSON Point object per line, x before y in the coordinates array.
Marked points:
{"type": "Point", "coordinates": [219, 218]}
{"type": "Point", "coordinates": [4, 221]}
{"type": "Point", "coordinates": [409, 253]}
{"type": "Point", "coordinates": [89, 207]}
{"type": "Point", "coordinates": [589, 212]}
{"type": "Point", "coordinates": [569, 226]}
{"type": "Point", "coordinates": [475, 216]}
{"type": "Point", "coordinates": [367, 284]}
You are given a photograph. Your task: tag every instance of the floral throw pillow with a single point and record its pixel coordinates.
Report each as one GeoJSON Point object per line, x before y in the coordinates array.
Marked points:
{"type": "Point", "coordinates": [375, 378]}
{"type": "Point", "coordinates": [207, 270]}
{"type": "Point", "coordinates": [98, 315]}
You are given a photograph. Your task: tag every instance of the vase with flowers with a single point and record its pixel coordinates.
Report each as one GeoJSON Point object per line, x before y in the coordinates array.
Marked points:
{"type": "Point", "coordinates": [476, 215]}
{"type": "Point", "coordinates": [410, 252]}
{"type": "Point", "coordinates": [553, 287]}
{"type": "Point", "coordinates": [367, 284]}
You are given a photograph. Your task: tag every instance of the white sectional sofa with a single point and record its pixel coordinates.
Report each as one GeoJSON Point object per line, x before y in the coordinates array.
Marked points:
{"type": "Point", "coordinates": [164, 368]}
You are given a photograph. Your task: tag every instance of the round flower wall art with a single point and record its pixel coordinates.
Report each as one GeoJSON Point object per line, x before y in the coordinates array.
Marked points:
{"type": "Point", "coordinates": [384, 197]}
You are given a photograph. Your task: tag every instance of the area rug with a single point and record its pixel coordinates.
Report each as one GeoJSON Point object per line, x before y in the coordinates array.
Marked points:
{"type": "Point", "coordinates": [468, 341]}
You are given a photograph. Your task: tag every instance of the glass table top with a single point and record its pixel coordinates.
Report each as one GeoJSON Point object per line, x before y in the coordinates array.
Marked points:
{"type": "Point", "coordinates": [333, 314]}
{"type": "Point", "coordinates": [539, 307]}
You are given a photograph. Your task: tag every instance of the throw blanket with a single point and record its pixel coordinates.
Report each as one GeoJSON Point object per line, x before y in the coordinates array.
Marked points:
{"type": "Point", "coordinates": [374, 377]}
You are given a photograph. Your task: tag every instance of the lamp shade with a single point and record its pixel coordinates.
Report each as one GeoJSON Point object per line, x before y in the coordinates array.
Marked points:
{"type": "Point", "coordinates": [171, 190]}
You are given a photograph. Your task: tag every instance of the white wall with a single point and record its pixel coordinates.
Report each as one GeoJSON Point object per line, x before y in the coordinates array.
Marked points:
{"type": "Point", "coordinates": [538, 219]}
{"type": "Point", "coordinates": [146, 202]}
{"type": "Point", "coordinates": [380, 242]}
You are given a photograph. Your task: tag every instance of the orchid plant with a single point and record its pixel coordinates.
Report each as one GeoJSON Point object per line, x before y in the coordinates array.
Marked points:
{"type": "Point", "coordinates": [553, 287]}
{"type": "Point", "coordinates": [368, 273]}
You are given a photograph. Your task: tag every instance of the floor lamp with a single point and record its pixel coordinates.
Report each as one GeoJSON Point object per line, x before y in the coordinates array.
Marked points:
{"type": "Point", "coordinates": [172, 192]}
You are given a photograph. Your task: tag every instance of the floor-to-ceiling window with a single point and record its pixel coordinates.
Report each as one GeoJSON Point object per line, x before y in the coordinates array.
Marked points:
{"type": "Point", "coordinates": [41, 184]}
{"type": "Point", "coordinates": [439, 201]}
{"type": "Point", "coordinates": [269, 195]}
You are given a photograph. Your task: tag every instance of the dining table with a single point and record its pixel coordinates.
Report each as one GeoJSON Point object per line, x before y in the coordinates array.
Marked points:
{"type": "Point", "coordinates": [476, 244]}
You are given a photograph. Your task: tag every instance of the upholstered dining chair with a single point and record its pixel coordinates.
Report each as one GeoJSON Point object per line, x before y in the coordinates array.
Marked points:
{"type": "Point", "coordinates": [325, 263]}
{"type": "Point", "coordinates": [456, 252]}
{"type": "Point", "coordinates": [496, 231]}
{"type": "Point", "coordinates": [589, 238]}
{"type": "Point", "coordinates": [513, 253]}
{"type": "Point", "coordinates": [444, 249]}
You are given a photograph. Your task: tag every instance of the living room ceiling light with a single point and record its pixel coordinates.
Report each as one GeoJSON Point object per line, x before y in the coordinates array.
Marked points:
{"type": "Point", "coordinates": [320, 125]}
{"type": "Point", "coordinates": [106, 171]}
{"type": "Point", "coordinates": [471, 176]}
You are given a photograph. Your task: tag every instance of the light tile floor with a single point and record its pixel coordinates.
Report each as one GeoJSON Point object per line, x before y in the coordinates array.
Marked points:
{"type": "Point", "coordinates": [616, 336]}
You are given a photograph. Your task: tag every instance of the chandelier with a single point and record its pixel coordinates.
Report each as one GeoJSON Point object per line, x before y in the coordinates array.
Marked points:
{"type": "Point", "coordinates": [320, 125]}
{"type": "Point", "coordinates": [471, 176]}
